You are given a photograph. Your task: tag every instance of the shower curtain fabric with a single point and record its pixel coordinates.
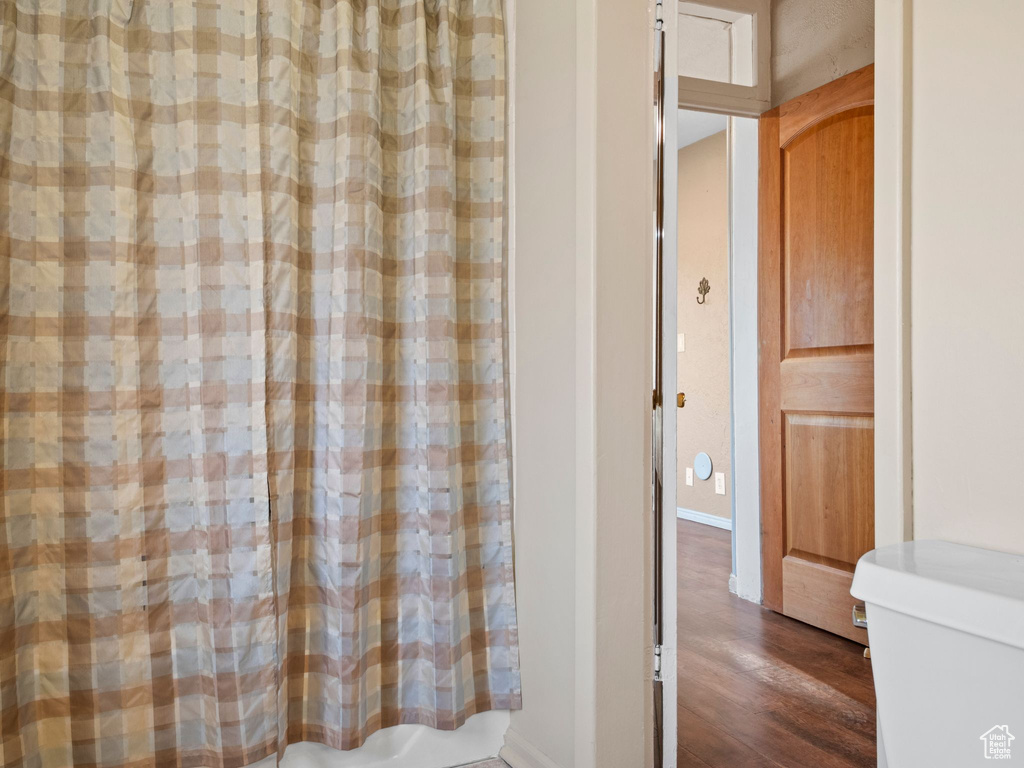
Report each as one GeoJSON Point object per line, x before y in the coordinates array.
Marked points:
{"type": "Point", "coordinates": [254, 454]}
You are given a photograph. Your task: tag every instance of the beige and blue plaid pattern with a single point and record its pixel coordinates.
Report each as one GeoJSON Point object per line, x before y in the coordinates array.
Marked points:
{"type": "Point", "coordinates": [254, 457]}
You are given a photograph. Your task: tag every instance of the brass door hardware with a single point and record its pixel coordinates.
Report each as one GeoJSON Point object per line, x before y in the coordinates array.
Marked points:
{"type": "Point", "coordinates": [680, 400]}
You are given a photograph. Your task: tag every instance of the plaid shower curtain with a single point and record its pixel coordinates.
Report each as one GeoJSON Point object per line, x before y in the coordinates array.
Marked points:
{"type": "Point", "coordinates": [254, 473]}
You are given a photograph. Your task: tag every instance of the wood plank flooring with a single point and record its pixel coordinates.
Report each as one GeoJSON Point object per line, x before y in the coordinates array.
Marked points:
{"type": "Point", "coordinates": [756, 689]}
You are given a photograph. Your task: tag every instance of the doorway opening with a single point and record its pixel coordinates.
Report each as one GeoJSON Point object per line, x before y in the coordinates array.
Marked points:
{"type": "Point", "coordinates": [716, 335]}
{"type": "Point", "coordinates": [753, 683]}
{"type": "Point", "coordinates": [764, 524]}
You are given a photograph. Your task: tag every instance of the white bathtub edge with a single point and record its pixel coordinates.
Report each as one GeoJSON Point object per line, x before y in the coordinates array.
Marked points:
{"type": "Point", "coordinates": [408, 746]}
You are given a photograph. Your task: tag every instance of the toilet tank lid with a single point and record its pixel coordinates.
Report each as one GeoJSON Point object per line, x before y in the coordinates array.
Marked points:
{"type": "Point", "coordinates": [966, 588]}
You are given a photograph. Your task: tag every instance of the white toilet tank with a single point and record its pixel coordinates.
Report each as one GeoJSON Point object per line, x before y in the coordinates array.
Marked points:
{"type": "Point", "coordinates": [946, 629]}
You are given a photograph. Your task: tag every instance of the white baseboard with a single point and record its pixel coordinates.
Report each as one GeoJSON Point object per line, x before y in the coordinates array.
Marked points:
{"type": "Point", "coordinates": [732, 584]}
{"type": "Point", "coordinates": [725, 523]}
{"type": "Point", "coordinates": [519, 753]}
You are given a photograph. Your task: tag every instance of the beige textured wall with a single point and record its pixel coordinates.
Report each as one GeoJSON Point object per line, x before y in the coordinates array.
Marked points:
{"type": "Point", "coordinates": [967, 273]}
{"type": "Point", "coordinates": [703, 373]}
{"type": "Point", "coordinates": [816, 41]}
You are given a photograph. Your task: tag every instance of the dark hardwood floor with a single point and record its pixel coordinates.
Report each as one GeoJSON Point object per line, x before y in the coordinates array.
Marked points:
{"type": "Point", "coordinates": [758, 689]}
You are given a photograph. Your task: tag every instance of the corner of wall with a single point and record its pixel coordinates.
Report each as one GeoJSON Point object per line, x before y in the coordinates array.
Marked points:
{"type": "Point", "coordinates": [518, 752]}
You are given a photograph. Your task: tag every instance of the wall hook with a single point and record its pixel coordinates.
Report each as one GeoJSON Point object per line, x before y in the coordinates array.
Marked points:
{"type": "Point", "coordinates": [703, 289]}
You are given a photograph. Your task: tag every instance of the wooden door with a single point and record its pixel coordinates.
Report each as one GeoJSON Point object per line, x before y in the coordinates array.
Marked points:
{"type": "Point", "coordinates": [816, 361]}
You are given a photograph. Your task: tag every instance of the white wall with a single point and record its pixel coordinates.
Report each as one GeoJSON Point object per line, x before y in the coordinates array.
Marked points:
{"type": "Point", "coordinates": [582, 231]}
{"type": "Point", "coordinates": [542, 66]}
{"type": "Point", "coordinates": [967, 271]}
{"type": "Point", "coordinates": [615, 137]}
{"type": "Point", "coordinates": [817, 41]}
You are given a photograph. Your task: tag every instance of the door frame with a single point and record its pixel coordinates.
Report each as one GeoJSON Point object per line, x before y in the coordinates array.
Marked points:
{"type": "Point", "coordinates": [894, 505]}
{"type": "Point", "coordinates": [667, 577]}
{"type": "Point", "coordinates": [745, 480]}
{"type": "Point", "coordinates": [743, 166]}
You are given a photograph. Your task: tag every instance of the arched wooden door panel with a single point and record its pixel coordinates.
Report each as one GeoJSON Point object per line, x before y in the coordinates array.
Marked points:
{"type": "Point", "coordinates": [816, 362]}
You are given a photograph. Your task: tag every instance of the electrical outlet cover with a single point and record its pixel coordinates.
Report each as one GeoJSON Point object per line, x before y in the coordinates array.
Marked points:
{"type": "Point", "coordinates": [720, 483]}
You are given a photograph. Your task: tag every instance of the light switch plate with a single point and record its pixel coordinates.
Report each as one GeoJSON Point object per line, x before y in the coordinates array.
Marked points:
{"type": "Point", "coordinates": [681, 342]}
{"type": "Point", "coordinates": [720, 483]}
{"type": "Point", "coordinates": [689, 475]}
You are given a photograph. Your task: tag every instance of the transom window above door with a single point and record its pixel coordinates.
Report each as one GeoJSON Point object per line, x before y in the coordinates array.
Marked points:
{"type": "Point", "coordinates": [724, 56]}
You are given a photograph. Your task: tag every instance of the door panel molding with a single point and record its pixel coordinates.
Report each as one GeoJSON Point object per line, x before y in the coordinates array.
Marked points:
{"type": "Point", "coordinates": [815, 384]}
{"type": "Point", "coordinates": [804, 589]}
